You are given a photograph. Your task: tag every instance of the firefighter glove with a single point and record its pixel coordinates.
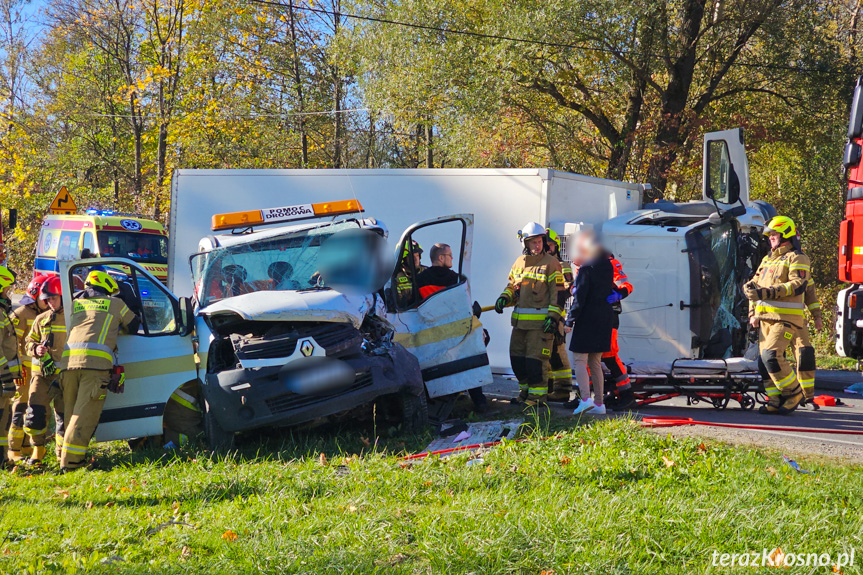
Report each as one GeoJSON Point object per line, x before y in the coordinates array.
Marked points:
{"type": "Point", "coordinates": [118, 379]}
{"type": "Point", "coordinates": [7, 385]}
{"type": "Point", "coordinates": [550, 325]}
{"type": "Point", "coordinates": [48, 367]}
{"type": "Point", "coordinates": [615, 297]}
{"type": "Point", "coordinates": [500, 304]}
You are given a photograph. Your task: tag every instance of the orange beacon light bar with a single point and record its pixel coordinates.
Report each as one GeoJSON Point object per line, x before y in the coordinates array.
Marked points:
{"type": "Point", "coordinates": [286, 214]}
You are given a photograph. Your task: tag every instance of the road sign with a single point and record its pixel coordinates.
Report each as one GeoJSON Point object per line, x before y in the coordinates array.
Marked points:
{"type": "Point", "coordinates": [63, 203]}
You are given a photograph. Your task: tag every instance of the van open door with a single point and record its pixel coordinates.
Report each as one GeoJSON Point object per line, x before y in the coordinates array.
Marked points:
{"type": "Point", "coordinates": [158, 359]}
{"type": "Point", "coordinates": [725, 170]}
{"type": "Point", "coordinates": [439, 328]}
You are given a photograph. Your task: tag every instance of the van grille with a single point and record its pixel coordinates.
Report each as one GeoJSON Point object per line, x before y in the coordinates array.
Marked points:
{"type": "Point", "coordinates": [290, 401]}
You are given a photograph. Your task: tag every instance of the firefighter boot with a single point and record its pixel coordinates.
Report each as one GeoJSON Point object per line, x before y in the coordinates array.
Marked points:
{"type": "Point", "coordinates": [774, 399]}
{"type": "Point", "coordinates": [791, 400]}
{"type": "Point", "coordinates": [37, 456]}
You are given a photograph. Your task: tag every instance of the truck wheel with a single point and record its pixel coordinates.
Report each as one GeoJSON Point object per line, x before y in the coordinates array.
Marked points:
{"type": "Point", "coordinates": [218, 439]}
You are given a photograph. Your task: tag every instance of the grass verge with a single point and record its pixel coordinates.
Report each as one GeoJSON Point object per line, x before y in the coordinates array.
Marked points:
{"type": "Point", "coordinates": [604, 498]}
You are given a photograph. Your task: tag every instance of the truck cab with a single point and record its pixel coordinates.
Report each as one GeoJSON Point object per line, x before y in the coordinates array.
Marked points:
{"type": "Point", "coordinates": [715, 242]}
{"type": "Point", "coordinates": [290, 323]}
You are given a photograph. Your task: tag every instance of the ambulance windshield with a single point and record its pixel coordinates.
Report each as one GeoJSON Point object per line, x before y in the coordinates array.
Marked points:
{"type": "Point", "coordinates": [284, 262]}
{"type": "Point", "coordinates": [147, 248]}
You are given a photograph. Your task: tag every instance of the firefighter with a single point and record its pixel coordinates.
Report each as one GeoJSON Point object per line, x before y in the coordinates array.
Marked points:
{"type": "Point", "coordinates": [405, 286]}
{"type": "Point", "coordinates": [45, 344]}
{"type": "Point", "coordinates": [534, 281]}
{"type": "Point", "coordinates": [183, 418]}
{"type": "Point", "coordinates": [776, 308]}
{"type": "Point", "coordinates": [560, 372]}
{"type": "Point", "coordinates": [22, 318]}
{"type": "Point", "coordinates": [89, 355]}
{"type": "Point", "coordinates": [620, 396]}
{"type": "Point", "coordinates": [10, 369]}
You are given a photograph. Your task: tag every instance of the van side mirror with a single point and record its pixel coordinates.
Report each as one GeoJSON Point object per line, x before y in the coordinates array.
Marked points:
{"type": "Point", "coordinates": [186, 317]}
{"type": "Point", "coordinates": [13, 218]}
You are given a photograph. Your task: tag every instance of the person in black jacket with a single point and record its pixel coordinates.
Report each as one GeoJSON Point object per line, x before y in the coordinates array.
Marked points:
{"type": "Point", "coordinates": [591, 318]}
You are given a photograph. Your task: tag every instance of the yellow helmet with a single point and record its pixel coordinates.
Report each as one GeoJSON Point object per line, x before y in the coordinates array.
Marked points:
{"type": "Point", "coordinates": [552, 235]}
{"type": "Point", "coordinates": [7, 277]}
{"type": "Point", "coordinates": [783, 225]}
{"type": "Point", "coordinates": [102, 280]}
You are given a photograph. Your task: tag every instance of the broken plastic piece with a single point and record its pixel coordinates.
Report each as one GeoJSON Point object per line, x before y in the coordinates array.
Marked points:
{"type": "Point", "coordinates": [461, 436]}
{"type": "Point", "coordinates": [793, 465]}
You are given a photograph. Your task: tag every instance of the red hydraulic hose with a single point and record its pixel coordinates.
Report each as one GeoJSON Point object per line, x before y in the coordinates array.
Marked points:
{"type": "Point", "coordinates": [425, 454]}
{"type": "Point", "coordinates": [671, 421]}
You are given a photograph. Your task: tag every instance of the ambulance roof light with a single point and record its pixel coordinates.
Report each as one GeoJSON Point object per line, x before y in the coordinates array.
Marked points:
{"type": "Point", "coordinates": [284, 214]}
{"type": "Point", "coordinates": [95, 212]}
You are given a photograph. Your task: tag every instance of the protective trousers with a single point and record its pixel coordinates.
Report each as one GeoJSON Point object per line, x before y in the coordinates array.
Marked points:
{"type": "Point", "coordinates": [561, 372]}
{"type": "Point", "coordinates": [36, 416]}
{"type": "Point", "coordinates": [84, 392]}
{"type": "Point", "coordinates": [805, 355]}
{"type": "Point", "coordinates": [18, 408]}
{"type": "Point", "coordinates": [774, 337]}
{"type": "Point", "coordinates": [529, 354]}
{"type": "Point", "coordinates": [5, 417]}
{"type": "Point", "coordinates": [619, 375]}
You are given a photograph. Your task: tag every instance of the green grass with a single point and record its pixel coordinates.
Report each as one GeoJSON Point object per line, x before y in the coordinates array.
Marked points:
{"type": "Point", "coordinates": [602, 498]}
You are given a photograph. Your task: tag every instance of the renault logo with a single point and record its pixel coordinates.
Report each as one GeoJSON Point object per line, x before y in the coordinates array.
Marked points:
{"type": "Point", "coordinates": [307, 348]}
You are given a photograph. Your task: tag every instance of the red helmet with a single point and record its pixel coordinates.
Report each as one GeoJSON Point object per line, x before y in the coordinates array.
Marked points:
{"type": "Point", "coordinates": [50, 288]}
{"type": "Point", "coordinates": [35, 285]}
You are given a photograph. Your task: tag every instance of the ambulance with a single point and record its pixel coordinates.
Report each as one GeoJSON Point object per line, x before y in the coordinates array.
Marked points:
{"type": "Point", "coordinates": [102, 234]}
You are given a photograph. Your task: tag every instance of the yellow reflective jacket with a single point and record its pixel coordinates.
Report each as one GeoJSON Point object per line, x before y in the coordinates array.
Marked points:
{"type": "Point", "coordinates": [22, 318]}
{"type": "Point", "coordinates": [93, 329]}
{"type": "Point", "coordinates": [46, 323]}
{"type": "Point", "coordinates": [533, 286]}
{"type": "Point", "coordinates": [8, 343]}
{"type": "Point", "coordinates": [788, 272]}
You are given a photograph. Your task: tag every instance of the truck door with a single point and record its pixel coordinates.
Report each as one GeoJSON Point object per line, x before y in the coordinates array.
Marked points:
{"type": "Point", "coordinates": [725, 170]}
{"type": "Point", "coordinates": [438, 326]}
{"type": "Point", "coordinates": [158, 359]}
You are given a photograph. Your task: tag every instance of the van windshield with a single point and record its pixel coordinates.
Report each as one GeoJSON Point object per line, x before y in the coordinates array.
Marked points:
{"type": "Point", "coordinates": [147, 248]}
{"type": "Point", "coordinates": [285, 262]}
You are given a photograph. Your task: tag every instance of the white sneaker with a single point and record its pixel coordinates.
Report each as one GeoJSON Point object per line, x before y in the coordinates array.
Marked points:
{"type": "Point", "coordinates": [584, 406]}
{"type": "Point", "coordinates": [597, 410]}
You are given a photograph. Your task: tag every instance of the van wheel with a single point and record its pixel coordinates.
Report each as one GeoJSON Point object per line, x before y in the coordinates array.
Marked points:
{"type": "Point", "coordinates": [218, 439]}
{"type": "Point", "coordinates": [407, 409]}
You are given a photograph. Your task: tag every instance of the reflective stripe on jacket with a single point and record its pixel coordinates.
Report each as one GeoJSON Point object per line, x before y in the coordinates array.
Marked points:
{"type": "Point", "coordinates": [94, 327]}
{"type": "Point", "coordinates": [533, 286]}
{"type": "Point", "coordinates": [788, 272]}
{"type": "Point", "coordinates": [8, 345]}
{"type": "Point", "coordinates": [47, 323]}
{"type": "Point", "coordinates": [22, 318]}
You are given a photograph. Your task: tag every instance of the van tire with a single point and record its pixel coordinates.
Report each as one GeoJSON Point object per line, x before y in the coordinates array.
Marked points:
{"type": "Point", "coordinates": [219, 440]}
{"type": "Point", "coordinates": [414, 411]}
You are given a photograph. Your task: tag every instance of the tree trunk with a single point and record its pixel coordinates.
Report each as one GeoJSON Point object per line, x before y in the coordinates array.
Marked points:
{"type": "Point", "coordinates": [298, 84]}
{"type": "Point", "coordinates": [429, 144]}
{"type": "Point", "coordinates": [161, 166]}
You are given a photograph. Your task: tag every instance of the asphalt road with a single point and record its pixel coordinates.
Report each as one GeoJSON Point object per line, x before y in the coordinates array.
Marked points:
{"type": "Point", "coordinates": [848, 417]}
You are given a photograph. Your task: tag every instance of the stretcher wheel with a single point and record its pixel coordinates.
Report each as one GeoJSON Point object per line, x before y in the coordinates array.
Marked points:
{"type": "Point", "coordinates": [719, 402]}
{"type": "Point", "coordinates": [747, 402]}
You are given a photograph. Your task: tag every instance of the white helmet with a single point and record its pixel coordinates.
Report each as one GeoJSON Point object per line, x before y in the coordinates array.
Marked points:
{"type": "Point", "coordinates": [531, 230]}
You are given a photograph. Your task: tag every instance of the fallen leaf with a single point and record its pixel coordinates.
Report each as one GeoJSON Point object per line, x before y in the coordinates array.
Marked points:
{"type": "Point", "coordinates": [62, 493]}
{"type": "Point", "coordinates": [352, 508]}
{"type": "Point", "coordinates": [702, 447]}
{"type": "Point", "coordinates": [88, 505]}
{"type": "Point", "coordinates": [565, 460]}
{"type": "Point", "coordinates": [185, 552]}
{"type": "Point", "coordinates": [837, 569]}
{"type": "Point", "coordinates": [109, 489]}
{"type": "Point", "coordinates": [427, 484]}
{"type": "Point", "coordinates": [488, 470]}
{"type": "Point", "coordinates": [366, 441]}
{"type": "Point", "coordinates": [124, 489]}
{"type": "Point", "coordinates": [668, 462]}
{"type": "Point", "coordinates": [322, 459]}
{"type": "Point", "coordinates": [109, 504]}
{"type": "Point", "coordinates": [776, 558]}
{"type": "Point", "coordinates": [771, 471]}
{"type": "Point", "coordinates": [229, 535]}
{"type": "Point", "coordinates": [549, 572]}
{"type": "Point", "coordinates": [7, 551]}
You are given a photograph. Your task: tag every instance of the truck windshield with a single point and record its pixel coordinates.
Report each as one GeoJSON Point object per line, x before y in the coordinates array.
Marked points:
{"type": "Point", "coordinates": [148, 248]}
{"type": "Point", "coordinates": [287, 262]}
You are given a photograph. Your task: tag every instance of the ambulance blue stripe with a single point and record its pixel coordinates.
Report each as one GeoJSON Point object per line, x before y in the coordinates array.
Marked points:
{"type": "Point", "coordinates": [46, 265]}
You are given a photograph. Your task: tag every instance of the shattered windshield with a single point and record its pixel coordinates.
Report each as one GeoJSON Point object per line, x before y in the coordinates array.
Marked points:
{"type": "Point", "coordinates": [285, 262]}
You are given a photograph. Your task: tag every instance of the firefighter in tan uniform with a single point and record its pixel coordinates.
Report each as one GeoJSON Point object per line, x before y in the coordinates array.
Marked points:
{"type": "Point", "coordinates": [533, 285]}
{"type": "Point", "coordinates": [89, 355]}
{"type": "Point", "coordinates": [405, 286]}
{"type": "Point", "coordinates": [22, 318]}
{"type": "Point", "coordinates": [776, 308]}
{"type": "Point", "coordinates": [10, 369]}
{"type": "Point", "coordinates": [45, 344]}
{"type": "Point", "coordinates": [560, 374]}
